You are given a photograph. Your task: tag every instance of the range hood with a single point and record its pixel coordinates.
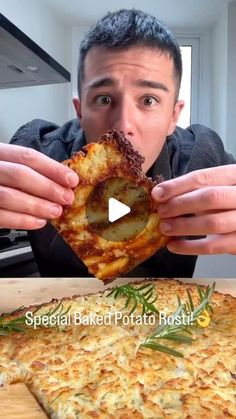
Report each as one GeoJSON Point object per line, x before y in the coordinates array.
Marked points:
{"type": "Point", "coordinates": [23, 62]}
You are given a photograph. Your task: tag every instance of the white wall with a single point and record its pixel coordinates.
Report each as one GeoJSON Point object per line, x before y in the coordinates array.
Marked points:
{"type": "Point", "coordinates": [223, 117]}
{"type": "Point", "coordinates": [223, 100]}
{"type": "Point", "coordinates": [19, 105]}
{"type": "Point", "coordinates": [78, 33]}
{"type": "Point", "coordinates": [231, 91]}
{"type": "Point", "coordinates": [219, 67]}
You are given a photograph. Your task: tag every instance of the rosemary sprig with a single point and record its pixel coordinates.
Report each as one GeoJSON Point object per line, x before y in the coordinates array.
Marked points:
{"type": "Point", "coordinates": [179, 331]}
{"type": "Point", "coordinates": [57, 311]}
{"type": "Point", "coordinates": [206, 294]}
{"type": "Point", "coordinates": [19, 324]}
{"type": "Point", "coordinates": [204, 300]}
{"type": "Point", "coordinates": [144, 295]}
{"type": "Point", "coordinates": [8, 326]}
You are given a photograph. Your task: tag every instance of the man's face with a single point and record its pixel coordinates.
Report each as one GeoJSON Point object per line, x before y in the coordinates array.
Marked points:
{"type": "Point", "coordinates": [132, 90]}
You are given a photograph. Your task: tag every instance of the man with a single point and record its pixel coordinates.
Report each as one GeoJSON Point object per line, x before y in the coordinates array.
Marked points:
{"type": "Point", "coordinates": [129, 77]}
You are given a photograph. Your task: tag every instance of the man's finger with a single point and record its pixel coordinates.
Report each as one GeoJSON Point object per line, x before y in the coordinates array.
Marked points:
{"type": "Point", "coordinates": [215, 176]}
{"type": "Point", "coordinates": [40, 163]}
{"type": "Point", "coordinates": [217, 223]}
{"type": "Point", "coordinates": [24, 178]}
{"type": "Point", "coordinates": [202, 200]}
{"type": "Point", "coordinates": [20, 202]}
{"type": "Point", "coordinates": [10, 219]}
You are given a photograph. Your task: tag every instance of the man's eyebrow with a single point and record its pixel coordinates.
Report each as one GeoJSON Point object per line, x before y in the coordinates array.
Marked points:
{"type": "Point", "coordinates": [103, 82]}
{"type": "Point", "coordinates": [112, 81]}
{"type": "Point", "coordinates": [152, 84]}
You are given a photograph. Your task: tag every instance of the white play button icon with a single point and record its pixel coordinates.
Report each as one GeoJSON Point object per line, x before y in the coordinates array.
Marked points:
{"type": "Point", "coordinates": [116, 209]}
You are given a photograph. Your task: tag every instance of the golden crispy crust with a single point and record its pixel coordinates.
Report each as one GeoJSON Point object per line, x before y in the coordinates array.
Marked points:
{"type": "Point", "coordinates": [112, 157]}
{"type": "Point", "coordinates": [96, 371]}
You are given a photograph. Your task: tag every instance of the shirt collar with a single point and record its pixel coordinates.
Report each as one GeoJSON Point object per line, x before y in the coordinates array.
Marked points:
{"type": "Point", "coordinates": [161, 167]}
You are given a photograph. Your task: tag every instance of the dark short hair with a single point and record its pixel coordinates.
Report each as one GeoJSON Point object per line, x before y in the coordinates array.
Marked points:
{"type": "Point", "coordinates": [127, 28]}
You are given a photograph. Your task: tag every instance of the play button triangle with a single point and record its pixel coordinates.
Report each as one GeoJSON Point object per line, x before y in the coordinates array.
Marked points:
{"type": "Point", "coordinates": [116, 210]}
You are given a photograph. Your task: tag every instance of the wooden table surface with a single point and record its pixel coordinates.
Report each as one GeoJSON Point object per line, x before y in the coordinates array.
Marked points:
{"type": "Point", "coordinates": [18, 292]}
{"type": "Point", "coordinates": [16, 402]}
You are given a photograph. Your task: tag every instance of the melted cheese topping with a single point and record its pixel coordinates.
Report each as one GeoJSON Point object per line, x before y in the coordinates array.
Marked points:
{"type": "Point", "coordinates": [107, 259]}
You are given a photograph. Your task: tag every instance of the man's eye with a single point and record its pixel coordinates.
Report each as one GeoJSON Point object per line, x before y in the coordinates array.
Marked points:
{"type": "Point", "coordinates": [103, 100]}
{"type": "Point", "coordinates": [149, 101]}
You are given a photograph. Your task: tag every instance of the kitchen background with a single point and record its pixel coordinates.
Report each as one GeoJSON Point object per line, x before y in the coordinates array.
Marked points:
{"type": "Point", "coordinates": [208, 27]}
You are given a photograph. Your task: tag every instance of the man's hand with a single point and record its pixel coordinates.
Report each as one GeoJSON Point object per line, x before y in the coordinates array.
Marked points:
{"type": "Point", "coordinates": [208, 197]}
{"type": "Point", "coordinates": [33, 187]}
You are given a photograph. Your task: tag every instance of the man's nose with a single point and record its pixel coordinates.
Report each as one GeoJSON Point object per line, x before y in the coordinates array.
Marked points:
{"type": "Point", "coordinates": [123, 120]}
